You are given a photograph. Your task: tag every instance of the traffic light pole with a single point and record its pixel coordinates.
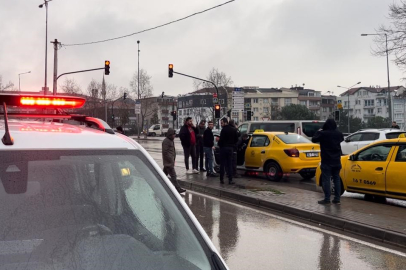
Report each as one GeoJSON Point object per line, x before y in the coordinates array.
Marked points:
{"type": "Point", "coordinates": [80, 71]}
{"type": "Point", "coordinates": [198, 79]}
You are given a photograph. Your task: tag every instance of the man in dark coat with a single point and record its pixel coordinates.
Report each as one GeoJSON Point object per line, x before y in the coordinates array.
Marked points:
{"type": "Point", "coordinates": [228, 139]}
{"type": "Point", "coordinates": [199, 145]}
{"type": "Point", "coordinates": [208, 146]}
{"type": "Point", "coordinates": [187, 135]}
{"type": "Point", "coordinates": [168, 157]}
{"type": "Point", "coordinates": [330, 138]}
{"type": "Point", "coordinates": [394, 125]}
{"type": "Point", "coordinates": [235, 173]}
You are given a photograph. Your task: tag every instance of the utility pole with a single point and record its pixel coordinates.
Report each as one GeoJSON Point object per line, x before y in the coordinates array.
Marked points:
{"type": "Point", "coordinates": [55, 86]}
{"type": "Point", "coordinates": [138, 89]}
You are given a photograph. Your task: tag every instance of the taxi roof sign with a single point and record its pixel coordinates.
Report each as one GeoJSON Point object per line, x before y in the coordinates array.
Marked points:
{"type": "Point", "coordinates": [259, 130]}
{"type": "Point", "coordinates": [402, 135]}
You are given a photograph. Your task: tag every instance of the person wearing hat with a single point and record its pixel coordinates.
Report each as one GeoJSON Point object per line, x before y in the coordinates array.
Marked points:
{"type": "Point", "coordinates": [199, 145]}
{"type": "Point", "coordinates": [168, 157]}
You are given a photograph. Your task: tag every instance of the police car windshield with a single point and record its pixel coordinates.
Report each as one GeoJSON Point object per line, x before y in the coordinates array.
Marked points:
{"type": "Point", "coordinates": [293, 138]}
{"type": "Point", "coordinates": [99, 209]}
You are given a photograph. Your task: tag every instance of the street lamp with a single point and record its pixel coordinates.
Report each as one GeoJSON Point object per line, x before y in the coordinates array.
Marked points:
{"type": "Point", "coordinates": [387, 70]}
{"type": "Point", "coordinates": [138, 88]}
{"type": "Point", "coordinates": [348, 109]}
{"type": "Point", "coordinates": [46, 41]}
{"type": "Point", "coordinates": [19, 84]}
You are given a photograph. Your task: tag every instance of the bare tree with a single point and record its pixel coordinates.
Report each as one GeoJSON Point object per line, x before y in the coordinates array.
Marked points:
{"type": "Point", "coordinates": [8, 86]}
{"type": "Point", "coordinates": [144, 89]}
{"type": "Point", "coordinates": [217, 77]}
{"type": "Point", "coordinates": [70, 87]}
{"type": "Point", "coordinates": [395, 34]}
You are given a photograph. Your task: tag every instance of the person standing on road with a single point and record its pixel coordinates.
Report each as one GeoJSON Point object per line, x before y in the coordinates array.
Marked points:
{"type": "Point", "coordinates": [169, 157]}
{"type": "Point", "coordinates": [330, 138]}
{"type": "Point", "coordinates": [187, 135]}
{"type": "Point", "coordinates": [394, 125]}
{"type": "Point", "coordinates": [228, 139]}
{"type": "Point", "coordinates": [208, 146]}
{"type": "Point", "coordinates": [199, 146]}
{"type": "Point", "coordinates": [235, 174]}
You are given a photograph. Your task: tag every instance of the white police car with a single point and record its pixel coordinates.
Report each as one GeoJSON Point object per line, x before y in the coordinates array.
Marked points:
{"type": "Point", "coordinates": [78, 196]}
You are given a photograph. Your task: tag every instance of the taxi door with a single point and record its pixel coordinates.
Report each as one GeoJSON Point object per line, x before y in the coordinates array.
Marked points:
{"type": "Point", "coordinates": [366, 170]}
{"type": "Point", "coordinates": [395, 175]}
{"type": "Point", "coordinates": [255, 154]}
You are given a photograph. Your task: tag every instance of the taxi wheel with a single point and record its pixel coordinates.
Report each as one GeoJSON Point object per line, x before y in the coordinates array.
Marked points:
{"type": "Point", "coordinates": [341, 188]}
{"type": "Point", "coordinates": [273, 171]}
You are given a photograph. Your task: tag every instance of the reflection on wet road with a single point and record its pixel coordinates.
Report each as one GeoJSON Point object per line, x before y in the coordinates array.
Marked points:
{"type": "Point", "coordinates": [251, 239]}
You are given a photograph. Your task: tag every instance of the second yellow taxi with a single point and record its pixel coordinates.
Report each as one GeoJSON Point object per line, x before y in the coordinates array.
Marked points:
{"type": "Point", "coordinates": [277, 153]}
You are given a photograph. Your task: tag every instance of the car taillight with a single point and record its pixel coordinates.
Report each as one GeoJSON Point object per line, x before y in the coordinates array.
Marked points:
{"type": "Point", "coordinates": [292, 152]}
{"type": "Point", "coordinates": [54, 102]}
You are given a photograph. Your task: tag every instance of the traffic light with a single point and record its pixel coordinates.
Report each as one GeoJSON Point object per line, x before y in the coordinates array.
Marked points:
{"type": "Point", "coordinates": [170, 71]}
{"type": "Point", "coordinates": [217, 111]}
{"type": "Point", "coordinates": [112, 116]}
{"type": "Point", "coordinates": [173, 113]}
{"type": "Point", "coordinates": [249, 114]}
{"type": "Point", "coordinates": [337, 116]}
{"type": "Point", "coordinates": [125, 96]}
{"type": "Point", "coordinates": [229, 113]}
{"type": "Point", "coordinates": [107, 67]}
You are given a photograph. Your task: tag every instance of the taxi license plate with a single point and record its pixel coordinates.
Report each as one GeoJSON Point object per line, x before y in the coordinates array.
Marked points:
{"type": "Point", "coordinates": [312, 154]}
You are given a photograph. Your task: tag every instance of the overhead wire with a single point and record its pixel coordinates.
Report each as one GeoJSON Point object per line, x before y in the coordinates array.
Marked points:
{"type": "Point", "coordinates": [152, 28]}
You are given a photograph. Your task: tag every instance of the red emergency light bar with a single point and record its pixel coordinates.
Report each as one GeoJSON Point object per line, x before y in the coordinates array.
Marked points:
{"type": "Point", "coordinates": [40, 101]}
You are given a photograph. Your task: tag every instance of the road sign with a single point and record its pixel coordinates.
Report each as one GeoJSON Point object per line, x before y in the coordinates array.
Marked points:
{"type": "Point", "coordinates": [238, 99]}
{"type": "Point", "coordinates": [339, 105]}
{"type": "Point", "coordinates": [137, 107]}
{"type": "Point", "coordinates": [215, 100]}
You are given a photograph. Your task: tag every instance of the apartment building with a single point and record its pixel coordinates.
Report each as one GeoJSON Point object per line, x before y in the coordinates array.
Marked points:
{"type": "Point", "coordinates": [367, 102]}
{"type": "Point", "coordinates": [327, 106]}
{"type": "Point", "coordinates": [311, 99]}
{"type": "Point", "coordinates": [263, 101]}
{"type": "Point", "coordinates": [165, 105]}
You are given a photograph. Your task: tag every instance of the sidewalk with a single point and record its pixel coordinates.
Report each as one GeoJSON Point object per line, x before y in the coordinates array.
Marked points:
{"type": "Point", "coordinates": [386, 223]}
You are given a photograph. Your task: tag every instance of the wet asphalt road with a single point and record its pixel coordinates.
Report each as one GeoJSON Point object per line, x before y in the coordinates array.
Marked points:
{"type": "Point", "coordinates": [248, 238]}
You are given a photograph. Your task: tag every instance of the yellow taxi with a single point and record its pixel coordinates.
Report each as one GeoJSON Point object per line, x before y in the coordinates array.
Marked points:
{"type": "Point", "coordinates": [376, 169]}
{"type": "Point", "coordinates": [279, 153]}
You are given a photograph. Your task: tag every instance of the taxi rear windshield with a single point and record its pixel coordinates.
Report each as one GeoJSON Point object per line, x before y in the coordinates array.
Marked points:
{"type": "Point", "coordinates": [293, 138]}
{"type": "Point", "coordinates": [92, 210]}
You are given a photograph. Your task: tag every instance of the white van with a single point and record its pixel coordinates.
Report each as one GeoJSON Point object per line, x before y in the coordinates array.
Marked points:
{"type": "Point", "coordinates": [157, 130]}
{"type": "Point", "coordinates": [306, 128]}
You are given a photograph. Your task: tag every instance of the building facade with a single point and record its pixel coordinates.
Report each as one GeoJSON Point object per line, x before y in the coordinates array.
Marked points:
{"type": "Point", "coordinates": [327, 106]}
{"type": "Point", "coordinates": [311, 99]}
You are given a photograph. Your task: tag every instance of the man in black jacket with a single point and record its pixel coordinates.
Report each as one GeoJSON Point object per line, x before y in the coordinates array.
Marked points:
{"type": "Point", "coordinates": [330, 138]}
{"type": "Point", "coordinates": [228, 139]}
{"type": "Point", "coordinates": [199, 145]}
{"type": "Point", "coordinates": [187, 135]}
{"type": "Point", "coordinates": [208, 145]}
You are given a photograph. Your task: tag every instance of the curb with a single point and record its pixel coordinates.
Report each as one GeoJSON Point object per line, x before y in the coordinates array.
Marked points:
{"type": "Point", "coordinates": [365, 230]}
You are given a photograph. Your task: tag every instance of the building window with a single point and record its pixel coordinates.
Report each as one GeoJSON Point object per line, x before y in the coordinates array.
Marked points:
{"type": "Point", "coordinates": [398, 116]}
{"type": "Point", "coordinates": [310, 94]}
{"type": "Point", "coordinates": [275, 101]}
{"type": "Point", "coordinates": [288, 101]}
{"type": "Point", "coordinates": [358, 102]}
{"type": "Point", "coordinates": [265, 100]}
{"type": "Point", "coordinates": [235, 114]}
{"type": "Point", "coordinates": [303, 102]}
{"type": "Point", "coordinates": [379, 110]}
{"type": "Point", "coordinates": [345, 103]}
{"type": "Point", "coordinates": [357, 111]}
{"type": "Point", "coordinates": [255, 109]}
{"type": "Point", "coordinates": [265, 110]}
{"type": "Point", "coordinates": [221, 101]}
{"type": "Point", "coordinates": [398, 106]}
{"type": "Point", "coordinates": [324, 109]}
{"type": "Point", "coordinates": [180, 112]}
{"type": "Point", "coordinates": [255, 118]}
{"type": "Point", "coordinates": [369, 111]}
{"type": "Point", "coordinates": [255, 100]}
{"type": "Point", "coordinates": [369, 102]}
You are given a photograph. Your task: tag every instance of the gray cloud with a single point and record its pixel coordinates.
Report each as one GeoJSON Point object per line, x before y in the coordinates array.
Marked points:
{"type": "Point", "coordinates": [258, 43]}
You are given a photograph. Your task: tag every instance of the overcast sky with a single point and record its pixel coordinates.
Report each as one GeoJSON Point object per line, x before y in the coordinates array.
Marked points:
{"type": "Point", "coordinates": [265, 43]}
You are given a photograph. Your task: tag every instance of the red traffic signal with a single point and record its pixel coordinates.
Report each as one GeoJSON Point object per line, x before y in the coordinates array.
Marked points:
{"type": "Point", "coordinates": [217, 111]}
{"type": "Point", "coordinates": [107, 67]}
{"type": "Point", "coordinates": [170, 73]}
